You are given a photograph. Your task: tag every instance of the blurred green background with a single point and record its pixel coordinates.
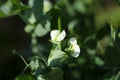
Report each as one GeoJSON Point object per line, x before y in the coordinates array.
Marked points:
{"type": "Point", "coordinates": [95, 23]}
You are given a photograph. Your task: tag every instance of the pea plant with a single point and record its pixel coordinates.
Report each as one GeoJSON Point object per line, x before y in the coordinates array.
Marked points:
{"type": "Point", "coordinates": [37, 25]}
{"type": "Point", "coordinates": [66, 43]}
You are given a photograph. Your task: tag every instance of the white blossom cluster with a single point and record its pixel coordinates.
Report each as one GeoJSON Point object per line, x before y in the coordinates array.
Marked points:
{"type": "Point", "coordinates": [58, 36]}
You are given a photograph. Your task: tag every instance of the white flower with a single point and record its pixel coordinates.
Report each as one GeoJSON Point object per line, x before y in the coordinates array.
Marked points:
{"type": "Point", "coordinates": [74, 47]}
{"type": "Point", "coordinates": [73, 41]}
{"type": "Point", "coordinates": [56, 35]}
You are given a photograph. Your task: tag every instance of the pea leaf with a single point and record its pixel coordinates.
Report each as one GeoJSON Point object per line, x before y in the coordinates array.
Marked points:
{"type": "Point", "coordinates": [5, 9]}
{"type": "Point", "coordinates": [37, 66]}
{"type": "Point", "coordinates": [24, 77]}
{"type": "Point", "coordinates": [41, 30]}
{"type": "Point", "coordinates": [36, 8]}
{"type": "Point", "coordinates": [34, 15]}
{"type": "Point", "coordinates": [55, 57]}
{"type": "Point", "coordinates": [11, 7]}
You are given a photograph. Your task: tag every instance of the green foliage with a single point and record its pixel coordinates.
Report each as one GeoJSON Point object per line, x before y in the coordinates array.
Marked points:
{"type": "Point", "coordinates": [55, 57]}
{"type": "Point", "coordinates": [11, 7]}
{"type": "Point", "coordinates": [24, 77]}
{"type": "Point", "coordinates": [37, 66]}
{"type": "Point", "coordinates": [35, 9]}
{"type": "Point", "coordinates": [95, 37]}
{"type": "Point", "coordinates": [34, 17]}
{"type": "Point", "coordinates": [42, 30]}
{"type": "Point", "coordinates": [79, 6]}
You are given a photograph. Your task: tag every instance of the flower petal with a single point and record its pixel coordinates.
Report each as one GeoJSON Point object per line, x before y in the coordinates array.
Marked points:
{"type": "Point", "coordinates": [54, 34]}
{"type": "Point", "coordinates": [76, 51]}
{"type": "Point", "coordinates": [61, 36]}
{"type": "Point", "coordinates": [73, 41]}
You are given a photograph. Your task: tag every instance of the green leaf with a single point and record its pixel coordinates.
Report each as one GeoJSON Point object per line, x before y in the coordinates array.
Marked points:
{"type": "Point", "coordinates": [19, 4]}
{"type": "Point", "coordinates": [32, 18]}
{"type": "Point", "coordinates": [99, 61]}
{"type": "Point", "coordinates": [41, 30]}
{"type": "Point", "coordinates": [29, 28]}
{"type": "Point", "coordinates": [55, 57]}
{"type": "Point", "coordinates": [34, 15]}
{"type": "Point", "coordinates": [40, 77]}
{"type": "Point", "coordinates": [6, 8]}
{"type": "Point", "coordinates": [24, 77]}
{"type": "Point", "coordinates": [36, 8]}
{"type": "Point", "coordinates": [55, 74]}
{"type": "Point", "coordinates": [11, 7]}
{"type": "Point", "coordinates": [37, 66]}
{"type": "Point", "coordinates": [79, 6]}
{"type": "Point", "coordinates": [34, 64]}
